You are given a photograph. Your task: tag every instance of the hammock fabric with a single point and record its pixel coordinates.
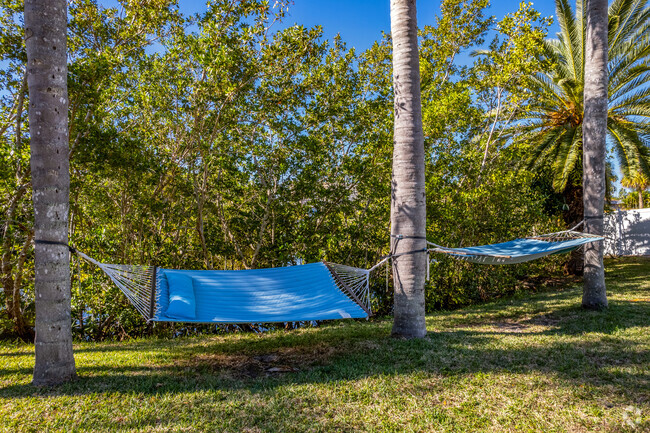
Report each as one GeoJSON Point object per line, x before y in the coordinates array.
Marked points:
{"type": "Point", "coordinates": [520, 250]}
{"type": "Point", "coordinates": [316, 291]}
{"type": "Point", "coordinates": [289, 294]}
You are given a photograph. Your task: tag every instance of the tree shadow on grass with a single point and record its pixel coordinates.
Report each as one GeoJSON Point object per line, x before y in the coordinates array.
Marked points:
{"type": "Point", "coordinates": [572, 319]}
{"type": "Point", "coordinates": [258, 367]}
{"type": "Point", "coordinates": [358, 350]}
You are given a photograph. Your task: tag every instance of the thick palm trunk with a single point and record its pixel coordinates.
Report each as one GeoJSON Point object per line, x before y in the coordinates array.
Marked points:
{"type": "Point", "coordinates": [594, 133]}
{"type": "Point", "coordinates": [408, 206]}
{"type": "Point", "coordinates": [45, 38]}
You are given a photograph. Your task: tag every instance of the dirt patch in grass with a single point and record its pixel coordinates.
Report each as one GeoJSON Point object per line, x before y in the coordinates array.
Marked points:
{"type": "Point", "coordinates": [540, 283]}
{"type": "Point", "coordinates": [510, 326]}
{"type": "Point", "coordinates": [278, 362]}
{"type": "Point", "coordinates": [523, 324]}
{"type": "Point", "coordinates": [546, 320]}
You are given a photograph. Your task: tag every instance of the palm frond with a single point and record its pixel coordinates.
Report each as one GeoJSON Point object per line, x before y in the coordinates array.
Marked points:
{"type": "Point", "coordinates": [552, 49]}
{"type": "Point", "coordinates": [633, 78]}
{"type": "Point", "coordinates": [631, 54]}
{"type": "Point", "coordinates": [581, 25]}
{"type": "Point", "coordinates": [546, 86]}
{"type": "Point", "coordinates": [633, 153]}
{"type": "Point", "coordinates": [480, 52]}
{"type": "Point", "coordinates": [551, 120]}
{"type": "Point", "coordinates": [613, 23]}
{"type": "Point", "coordinates": [634, 115]}
{"type": "Point", "coordinates": [546, 142]}
{"type": "Point", "coordinates": [568, 153]}
{"type": "Point", "coordinates": [570, 38]}
{"type": "Point", "coordinates": [627, 12]}
{"type": "Point", "coordinates": [631, 98]}
{"type": "Point", "coordinates": [572, 89]}
{"type": "Point", "coordinates": [619, 149]}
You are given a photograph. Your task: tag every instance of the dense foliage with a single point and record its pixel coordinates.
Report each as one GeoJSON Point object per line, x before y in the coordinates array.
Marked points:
{"type": "Point", "coordinates": [227, 140]}
{"type": "Point", "coordinates": [634, 199]}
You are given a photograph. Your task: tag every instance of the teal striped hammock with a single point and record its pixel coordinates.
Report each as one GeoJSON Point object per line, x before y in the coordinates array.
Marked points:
{"type": "Point", "coordinates": [310, 292]}
{"type": "Point", "coordinates": [520, 250]}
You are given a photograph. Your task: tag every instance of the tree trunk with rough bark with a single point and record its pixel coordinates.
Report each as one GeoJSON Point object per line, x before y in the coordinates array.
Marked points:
{"type": "Point", "coordinates": [408, 205]}
{"type": "Point", "coordinates": [45, 38]}
{"type": "Point", "coordinates": [593, 135]}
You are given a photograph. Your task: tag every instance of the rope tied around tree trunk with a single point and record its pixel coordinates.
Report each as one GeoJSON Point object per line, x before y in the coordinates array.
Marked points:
{"type": "Point", "coordinates": [73, 250]}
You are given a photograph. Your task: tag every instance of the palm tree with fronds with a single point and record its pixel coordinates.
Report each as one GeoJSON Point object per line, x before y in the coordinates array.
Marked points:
{"type": "Point", "coordinates": [552, 120]}
{"type": "Point", "coordinates": [639, 183]}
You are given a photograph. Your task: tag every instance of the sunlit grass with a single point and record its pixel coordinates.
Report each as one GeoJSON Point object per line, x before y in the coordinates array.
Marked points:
{"type": "Point", "coordinates": [531, 363]}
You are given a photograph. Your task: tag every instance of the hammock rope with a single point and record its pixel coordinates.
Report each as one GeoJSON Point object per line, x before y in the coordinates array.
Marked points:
{"type": "Point", "coordinates": [135, 281]}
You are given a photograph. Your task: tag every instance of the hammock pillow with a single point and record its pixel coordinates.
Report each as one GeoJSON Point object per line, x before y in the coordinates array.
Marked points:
{"type": "Point", "coordinates": [163, 288]}
{"type": "Point", "coordinates": [182, 304]}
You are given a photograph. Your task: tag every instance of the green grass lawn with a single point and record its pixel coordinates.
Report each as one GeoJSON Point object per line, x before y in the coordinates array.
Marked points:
{"type": "Point", "coordinates": [531, 363]}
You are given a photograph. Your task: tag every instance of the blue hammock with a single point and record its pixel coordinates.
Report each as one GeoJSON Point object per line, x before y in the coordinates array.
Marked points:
{"type": "Point", "coordinates": [317, 291]}
{"type": "Point", "coordinates": [520, 250]}
{"type": "Point", "coordinates": [288, 294]}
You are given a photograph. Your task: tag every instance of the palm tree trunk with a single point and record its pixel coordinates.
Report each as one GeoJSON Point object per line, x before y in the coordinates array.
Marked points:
{"type": "Point", "coordinates": [408, 206]}
{"type": "Point", "coordinates": [45, 38]}
{"type": "Point", "coordinates": [594, 132]}
{"type": "Point", "coordinates": [640, 199]}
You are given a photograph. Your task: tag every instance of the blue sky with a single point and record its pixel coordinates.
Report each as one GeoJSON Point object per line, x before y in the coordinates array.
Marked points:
{"type": "Point", "coordinates": [360, 22]}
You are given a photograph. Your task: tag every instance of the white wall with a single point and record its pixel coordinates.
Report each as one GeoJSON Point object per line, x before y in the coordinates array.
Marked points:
{"type": "Point", "coordinates": [628, 233]}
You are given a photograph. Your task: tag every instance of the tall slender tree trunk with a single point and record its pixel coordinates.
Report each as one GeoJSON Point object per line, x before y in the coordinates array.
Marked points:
{"type": "Point", "coordinates": [640, 199]}
{"type": "Point", "coordinates": [593, 135]}
{"type": "Point", "coordinates": [10, 276]}
{"type": "Point", "coordinates": [47, 72]}
{"type": "Point", "coordinates": [408, 205]}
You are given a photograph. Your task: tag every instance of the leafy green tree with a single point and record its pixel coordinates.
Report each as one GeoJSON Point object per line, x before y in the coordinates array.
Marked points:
{"type": "Point", "coordinates": [15, 179]}
{"type": "Point", "coordinates": [639, 183]}
{"type": "Point", "coordinates": [100, 43]}
{"type": "Point", "coordinates": [630, 199]}
{"type": "Point", "coordinates": [502, 73]}
{"type": "Point", "coordinates": [465, 206]}
{"type": "Point", "coordinates": [475, 193]}
{"type": "Point", "coordinates": [234, 146]}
